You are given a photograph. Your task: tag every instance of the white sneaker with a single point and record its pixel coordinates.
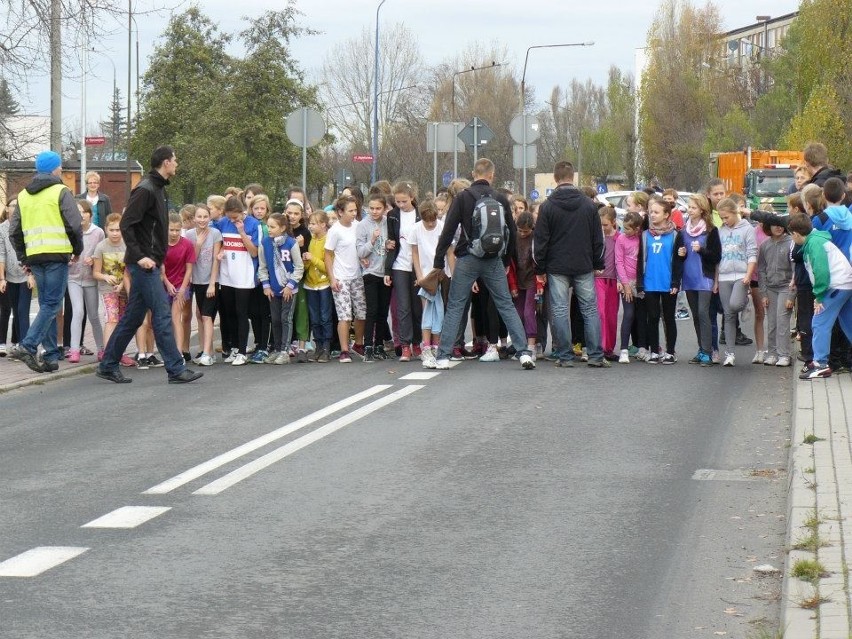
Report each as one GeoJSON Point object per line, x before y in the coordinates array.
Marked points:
{"type": "Point", "coordinates": [584, 356]}
{"type": "Point", "coordinates": [783, 361]}
{"type": "Point", "coordinates": [205, 360]}
{"type": "Point", "coordinates": [729, 359]}
{"type": "Point", "coordinates": [624, 357]}
{"type": "Point", "coordinates": [282, 358]}
{"type": "Point", "coordinates": [770, 360]}
{"type": "Point", "coordinates": [643, 355]}
{"type": "Point", "coordinates": [758, 358]}
{"type": "Point", "coordinates": [491, 355]}
{"type": "Point", "coordinates": [527, 362]}
{"type": "Point", "coordinates": [442, 364]}
{"type": "Point", "coordinates": [427, 358]}
{"type": "Point", "coordinates": [230, 358]}
{"type": "Point", "coordinates": [239, 360]}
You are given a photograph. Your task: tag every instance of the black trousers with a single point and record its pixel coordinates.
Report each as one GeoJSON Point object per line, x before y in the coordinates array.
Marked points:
{"type": "Point", "coordinates": [378, 303]}
{"type": "Point", "coordinates": [234, 305]}
{"type": "Point", "coordinates": [661, 305]}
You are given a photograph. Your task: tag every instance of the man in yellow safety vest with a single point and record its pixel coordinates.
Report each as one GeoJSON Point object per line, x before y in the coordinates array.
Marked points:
{"type": "Point", "coordinates": [45, 230]}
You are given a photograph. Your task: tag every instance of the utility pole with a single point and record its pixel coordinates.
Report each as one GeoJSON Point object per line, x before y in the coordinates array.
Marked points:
{"type": "Point", "coordinates": [129, 70]}
{"type": "Point", "coordinates": [56, 75]}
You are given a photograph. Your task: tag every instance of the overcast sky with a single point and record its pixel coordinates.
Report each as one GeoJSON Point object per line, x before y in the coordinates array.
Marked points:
{"type": "Point", "coordinates": [444, 29]}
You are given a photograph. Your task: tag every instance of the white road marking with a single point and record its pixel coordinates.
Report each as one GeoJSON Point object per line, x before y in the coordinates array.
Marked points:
{"type": "Point", "coordinates": [35, 561]}
{"type": "Point", "coordinates": [420, 375]}
{"type": "Point", "coordinates": [246, 471]}
{"type": "Point", "coordinates": [202, 469]}
{"type": "Point", "coordinates": [127, 517]}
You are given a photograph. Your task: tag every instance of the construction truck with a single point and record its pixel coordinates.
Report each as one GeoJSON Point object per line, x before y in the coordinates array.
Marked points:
{"type": "Point", "coordinates": [761, 176]}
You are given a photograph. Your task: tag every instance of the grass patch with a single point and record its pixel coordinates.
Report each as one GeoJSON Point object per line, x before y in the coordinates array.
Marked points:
{"type": "Point", "coordinates": [810, 542]}
{"type": "Point", "coordinates": [808, 570]}
{"type": "Point", "coordinates": [812, 522]}
{"type": "Point", "coordinates": [810, 470]}
{"type": "Point", "coordinates": [812, 439]}
{"type": "Point", "coordinates": [811, 603]}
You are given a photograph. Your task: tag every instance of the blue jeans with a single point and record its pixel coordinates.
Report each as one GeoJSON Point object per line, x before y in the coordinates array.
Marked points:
{"type": "Point", "coordinates": [319, 312]}
{"type": "Point", "coordinates": [837, 307]}
{"type": "Point", "coordinates": [493, 274]}
{"type": "Point", "coordinates": [558, 291]}
{"type": "Point", "coordinates": [51, 279]}
{"type": "Point", "coordinates": [146, 293]}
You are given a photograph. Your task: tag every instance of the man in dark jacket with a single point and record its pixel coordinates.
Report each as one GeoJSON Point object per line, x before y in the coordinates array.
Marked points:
{"type": "Point", "coordinates": [45, 230]}
{"type": "Point", "coordinates": [469, 267]}
{"type": "Point", "coordinates": [816, 161]}
{"type": "Point", "coordinates": [569, 248]}
{"type": "Point", "coordinates": [145, 229]}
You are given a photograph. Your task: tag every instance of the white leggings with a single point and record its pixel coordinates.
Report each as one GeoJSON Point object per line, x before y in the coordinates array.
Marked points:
{"type": "Point", "coordinates": [85, 297]}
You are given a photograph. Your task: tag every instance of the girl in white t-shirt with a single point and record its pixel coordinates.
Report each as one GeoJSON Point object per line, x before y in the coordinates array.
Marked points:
{"type": "Point", "coordinates": [423, 241]}
{"type": "Point", "coordinates": [344, 271]}
{"type": "Point", "coordinates": [399, 267]}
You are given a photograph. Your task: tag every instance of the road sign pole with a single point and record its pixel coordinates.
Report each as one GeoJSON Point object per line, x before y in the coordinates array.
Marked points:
{"type": "Point", "coordinates": [305, 150]}
{"type": "Point", "coordinates": [524, 153]}
{"type": "Point", "coordinates": [435, 158]}
{"type": "Point", "coordinates": [455, 150]}
{"type": "Point", "coordinates": [475, 140]}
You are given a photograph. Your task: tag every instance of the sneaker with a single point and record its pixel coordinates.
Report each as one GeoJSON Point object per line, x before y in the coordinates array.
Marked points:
{"type": "Point", "coordinates": [491, 354]}
{"type": "Point", "coordinates": [230, 357]}
{"type": "Point", "coordinates": [405, 354]}
{"type": "Point", "coordinates": [697, 358]}
{"type": "Point", "coordinates": [74, 356]}
{"type": "Point", "coordinates": [729, 359]}
{"type": "Point", "coordinates": [704, 360]}
{"type": "Point", "coordinates": [469, 354]}
{"type": "Point", "coordinates": [668, 358]}
{"type": "Point", "coordinates": [368, 355]}
{"type": "Point", "coordinates": [539, 350]}
{"type": "Point", "coordinates": [2, 350]}
{"type": "Point", "coordinates": [457, 355]}
{"type": "Point", "coordinates": [344, 357]}
{"type": "Point", "coordinates": [624, 357]}
{"type": "Point", "coordinates": [141, 362]}
{"type": "Point", "coordinates": [578, 349]}
{"type": "Point", "coordinates": [503, 352]}
{"type": "Point", "coordinates": [379, 354]}
{"type": "Point", "coordinates": [357, 350]}
{"type": "Point", "coordinates": [153, 362]}
{"type": "Point", "coordinates": [416, 350]}
{"type": "Point", "coordinates": [632, 350]}
{"type": "Point", "coordinates": [273, 355]}
{"type": "Point", "coordinates": [742, 340]}
{"type": "Point", "coordinates": [205, 360]}
{"type": "Point", "coordinates": [187, 358]}
{"type": "Point", "coordinates": [584, 355]}
{"type": "Point", "coordinates": [643, 355]}
{"type": "Point", "coordinates": [564, 363]}
{"type": "Point", "coordinates": [653, 358]}
{"type": "Point", "coordinates": [85, 352]}
{"type": "Point", "coordinates": [770, 360]}
{"type": "Point", "coordinates": [239, 360]}
{"type": "Point", "coordinates": [759, 357]}
{"type": "Point", "coordinates": [783, 361]}
{"type": "Point", "coordinates": [682, 314]}
{"type": "Point", "coordinates": [599, 363]}
{"type": "Point", "coordinates": [301, 356]}
{"type": "Point", "coordinates": [816, 371]}
{"type": "Point", "coordinates": [442, 364]}
{"type": "Point", "coordinates": [715, 357]}
{"type": "Point", "coordinates": [258, 357]}
{"type": "Point", "coordinates": [49, 366]}
{"type": "Point", "coordinates": [322, 356]}
{"type": "Point", "coordinates": [197, 358]}
{"type": "Point", "coordinates": [282, 358]}
{"type": "Point", "coordinates": [527, 362]}
{"type": "Point", "coordinates": [478, 349]}
{"type": "Point", "coordinates": [427, 358]}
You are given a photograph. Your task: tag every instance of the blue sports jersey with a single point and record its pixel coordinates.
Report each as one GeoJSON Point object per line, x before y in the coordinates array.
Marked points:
{"type": "Point", "coordinates": [658, 262]}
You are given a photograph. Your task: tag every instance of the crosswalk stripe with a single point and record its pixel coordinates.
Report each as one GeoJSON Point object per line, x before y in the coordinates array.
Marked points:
{"type": "Point", "coordinates": [127, 517]}
{"type": "Point", "coordinates": [35, 561]}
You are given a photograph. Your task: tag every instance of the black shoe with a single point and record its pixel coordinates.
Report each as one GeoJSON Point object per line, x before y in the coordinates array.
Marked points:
{"type": "Point", "coordinates": [185, 376]}
{"type": "Point", "coordinates": [153, 362]}
{"type": "Point", "coordinates": [368, 354]}
{"type": "Point", "coordinates": [379, 353]}
{"type": "Point", "coordinates": [142, 363]}
{"type": "Point", "coordinates": [742, 340]}
{"type": "Point", "coordinates": [113, 376]}
{"type": "Point", "coordinates": [599, 363]}
{"type": "Point", "coordinates": [22, 354]}
{"type": "Point", "coordinates": [503, 352]}
{"type": "Point", "coordinates": [49, 366]}
{"type": "Point", "coordinates": [564, 363]}
{"type": "Point", "coordinates": [187, 357]}
{"type": "Point", "coordinates": [301, 356]}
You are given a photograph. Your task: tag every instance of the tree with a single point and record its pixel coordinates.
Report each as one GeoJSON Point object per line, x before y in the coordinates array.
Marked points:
{"type": "Point", "coordinates": [822, 120]}
{"type": "Point", "coordinates": [114, 128]}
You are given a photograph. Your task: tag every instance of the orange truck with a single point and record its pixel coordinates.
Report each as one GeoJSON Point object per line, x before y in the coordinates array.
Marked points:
{"type": "Point", "coordinates": [763, 177]}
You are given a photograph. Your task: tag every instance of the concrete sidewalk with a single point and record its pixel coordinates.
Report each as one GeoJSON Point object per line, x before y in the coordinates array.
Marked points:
{"type": "Point", "coordinates": [819, 510]}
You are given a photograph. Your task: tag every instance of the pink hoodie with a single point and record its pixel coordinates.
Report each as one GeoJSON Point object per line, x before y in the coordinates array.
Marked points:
{"type": "Point", "coordinates": [626, 255]}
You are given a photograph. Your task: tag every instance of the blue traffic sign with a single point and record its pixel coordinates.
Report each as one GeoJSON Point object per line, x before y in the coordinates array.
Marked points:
{"type": "Point", "coordinates": [448, 177]}
{"type": "Point", "coordinates": [601, 188]}
{"type": "Point", "coordinates": [534, 194]}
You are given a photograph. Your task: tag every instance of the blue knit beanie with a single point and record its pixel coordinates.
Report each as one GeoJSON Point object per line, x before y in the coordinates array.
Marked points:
{"type": "Point", "coordinates": [47, 162]}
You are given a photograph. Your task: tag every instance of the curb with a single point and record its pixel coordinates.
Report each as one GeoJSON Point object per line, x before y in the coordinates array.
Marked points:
{"type": "Point", "coordinates": [44, 378]}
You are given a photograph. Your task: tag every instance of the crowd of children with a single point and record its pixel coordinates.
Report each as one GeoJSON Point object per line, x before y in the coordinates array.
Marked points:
{"type": "Point", "coordinates": [356, 281]}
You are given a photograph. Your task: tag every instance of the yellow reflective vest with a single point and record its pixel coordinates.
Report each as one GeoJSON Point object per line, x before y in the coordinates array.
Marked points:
{"type": "Point", "coordinates": [42, 222]}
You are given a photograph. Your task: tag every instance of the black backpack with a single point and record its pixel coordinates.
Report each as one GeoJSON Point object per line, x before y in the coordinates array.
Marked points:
{"type": "Point", "coordinates": [490, 235]}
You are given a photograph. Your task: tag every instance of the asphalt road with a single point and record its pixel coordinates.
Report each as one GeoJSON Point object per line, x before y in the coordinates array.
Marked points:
{"type": "Point", "coordinates": [488, 502]}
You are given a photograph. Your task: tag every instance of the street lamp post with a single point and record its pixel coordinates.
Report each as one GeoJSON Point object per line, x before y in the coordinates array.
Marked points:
{"type": "Point", "coordinates": [524, 102]}
{"type": "Point", "coordinates": [129, 62]}
{"type": "Point", "coordinates": [765, 20]}
{"type": "Point", "coordinates": [493, 65]}
{"type": "Point", "coordinates": [375, 149]}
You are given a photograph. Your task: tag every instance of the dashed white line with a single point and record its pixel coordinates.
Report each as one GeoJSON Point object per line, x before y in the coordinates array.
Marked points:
{"type": "Point", "coordinates": [127, 517]}
{"type": "Point", "coordinates": [35, 561]}
{"type": "Point", "coordinates": [246, 471]}
{"type": "Point", "coordinates": [202, 469]}
{"type": "Point", "coordinates": [422, 376]}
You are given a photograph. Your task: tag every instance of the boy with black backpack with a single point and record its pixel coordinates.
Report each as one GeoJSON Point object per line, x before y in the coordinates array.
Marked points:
{"type": "Point", "coordinates": [482, 251]}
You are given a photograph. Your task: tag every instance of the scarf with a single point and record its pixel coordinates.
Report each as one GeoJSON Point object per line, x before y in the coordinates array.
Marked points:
{"type": "Point", "coordinates": [667, 227]}
{"type": "Point", "coordinates": [694, 230]}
